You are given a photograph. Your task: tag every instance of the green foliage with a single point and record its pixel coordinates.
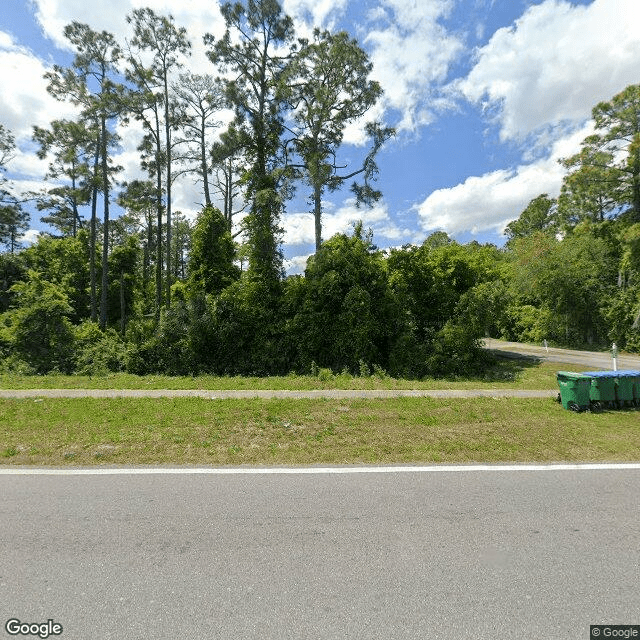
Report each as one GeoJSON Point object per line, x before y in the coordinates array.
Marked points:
{"type": "Point", "coordinates": [97, 352]}
{"type": "Point", "coordinates": [455, 351]}
{"type": "Point", "coordinates": [167, 350]}
{"type": "Point", "coordinates": [249, 332]}
{"type": "Point", "coordinates": [527, 323]}
{"type": "Point", "coordinates": [605, 180]}
{"type": "Point", "coordinates": [572, 278]}
{"type": "Point", "coordinates": [211, 267]}
{"type": "Point", "coordinates": [451, 297]}
{"type": "Point", "coordinates": [124, 285]}
{"type": "Point", "coordinates": [538, 216]}
{"type": "Point", "coordinates": [12, 270]}
{"type": "Point", "coordinates": [570, 272]}
{"type": "Point", "coordinates": [63, 262]}
{"type": "Point", "coordinates": [13, 219]}
{"type": "Point", "coordinates": [347, 313]}
{"type": "Point", "coordinates": [252, 55]}
{"type": "Point", "coordinates": [327, 85]}
{"type": "Point", "coordinates": [70, 144]}
{"type": "Point", "coordinates": [40, 332]}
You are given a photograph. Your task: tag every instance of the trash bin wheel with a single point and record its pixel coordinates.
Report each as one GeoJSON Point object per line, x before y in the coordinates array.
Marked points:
{"type": "Point", "coordinates": [574, 407]}
{"type": "Point", "coordinates": [596, 406]}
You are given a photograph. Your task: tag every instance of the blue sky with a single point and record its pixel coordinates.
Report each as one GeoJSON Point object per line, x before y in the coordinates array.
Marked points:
{"type": "Point", "coordinates": [486, 95]}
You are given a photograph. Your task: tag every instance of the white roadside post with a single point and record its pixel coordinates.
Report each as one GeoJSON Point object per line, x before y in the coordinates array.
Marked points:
{"type": "Point", "coordinates": [614, 355]}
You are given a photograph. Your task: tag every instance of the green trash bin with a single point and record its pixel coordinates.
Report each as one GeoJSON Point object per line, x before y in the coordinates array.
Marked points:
{"type": "Point", "coordinates": [602, 393]}
{"type": "Point", "coordinates": [629, 388]}
{"type": "Point", "coordinates": [636, 388]}
{"type": "Point", "coordinates": [574, 390]}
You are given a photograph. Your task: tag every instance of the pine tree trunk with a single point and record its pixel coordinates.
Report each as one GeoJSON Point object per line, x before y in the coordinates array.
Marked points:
{"type": "Point", "coordinates": [167, 128]}
{"type": "Point", "coordinates": [317, 212]}
{"type": "Point", "coordinates": [92, 239]}
{"type": "Point", "coordinates": [122, 305]}
{"type": "Point", "coordinates": [105, 222]}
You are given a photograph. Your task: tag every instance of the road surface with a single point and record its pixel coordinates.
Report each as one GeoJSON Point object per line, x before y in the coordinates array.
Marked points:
{"type": "Point", "coordinates": [597, 360]}
{"type": "Point", "coordinates": [443, 554]}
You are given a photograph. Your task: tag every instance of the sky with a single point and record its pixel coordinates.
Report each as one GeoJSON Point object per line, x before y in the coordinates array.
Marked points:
{"type": "Point", "coordinates": [485, 95]}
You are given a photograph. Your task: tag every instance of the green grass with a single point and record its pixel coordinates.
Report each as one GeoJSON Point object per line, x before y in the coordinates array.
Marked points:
{"type": "Point", "coordinates": [82, 432]}
{"type": "Point", "coordinates": [299, 432]}
{"type": "Point", "coordinates": [524, 373]}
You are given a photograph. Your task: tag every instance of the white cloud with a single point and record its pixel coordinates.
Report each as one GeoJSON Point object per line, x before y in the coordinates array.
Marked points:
{"type": "Point", "coordinates": [555, 63]}
{"type": "Point", "coordinates": [300, 227]}
{"type": "Point", "coordinates": [26, 163]}
{"type": "Point", "coordinates": [197, 17]}
{"type": "Point", "coordinates": [489, 202]}
{"type": "Point", "coordinates": [411, 52]}
{"type": "Point", "coordinates": [30, 236]}
{"type": "Point", "coordinates": [296, 264]}
{"type": "Point", "coordinates": [21, 72]}
{"type": "Point", "coordinates": [315, 13]}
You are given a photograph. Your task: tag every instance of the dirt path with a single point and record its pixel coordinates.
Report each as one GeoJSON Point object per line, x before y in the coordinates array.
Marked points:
{"type": "Point", "coordinates": [240, 394]}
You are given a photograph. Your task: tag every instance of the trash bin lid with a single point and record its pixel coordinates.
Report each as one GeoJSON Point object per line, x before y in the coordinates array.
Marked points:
{"type": "Point", "coordinates": [628, 373]}
{"type": "Point", "coordinates": [572, 375]}
{"type": "Point", "coordinates": [601, 374]}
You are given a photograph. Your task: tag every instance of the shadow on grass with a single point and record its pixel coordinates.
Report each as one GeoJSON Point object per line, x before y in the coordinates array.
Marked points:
{"type": "Point", "coordinates": [500, 366]}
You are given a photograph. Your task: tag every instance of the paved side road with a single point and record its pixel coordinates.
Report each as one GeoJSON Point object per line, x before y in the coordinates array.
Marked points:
{"type": "Point", "coordinates": [597, 360]}
{"type": "Point", "coordinates": [452, 555]}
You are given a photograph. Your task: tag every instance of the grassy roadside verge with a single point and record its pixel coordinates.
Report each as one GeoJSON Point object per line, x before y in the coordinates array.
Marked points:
{"type": "Point", "coordinates": [505, 373]}
{"type": "Point", "coordinates": [300, 432]}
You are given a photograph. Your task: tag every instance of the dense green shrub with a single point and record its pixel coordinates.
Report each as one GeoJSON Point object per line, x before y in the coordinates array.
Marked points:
{"type": "Point", "coordinates": [347, 313]}
{"type": "Point", "coordinates": [40, 332]}
{"type": "Point", "coordinates": [97, 352]}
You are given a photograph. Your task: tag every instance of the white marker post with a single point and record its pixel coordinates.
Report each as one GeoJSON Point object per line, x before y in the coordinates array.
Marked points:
{"type": "Point", "coordinates": [614, 355]}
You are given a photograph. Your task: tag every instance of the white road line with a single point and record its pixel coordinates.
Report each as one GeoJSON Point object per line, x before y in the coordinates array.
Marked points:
{"type": "Point", "coordinates": [115, 471]}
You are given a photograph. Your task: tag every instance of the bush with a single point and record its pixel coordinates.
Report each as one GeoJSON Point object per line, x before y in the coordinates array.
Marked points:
{"type": "Point", "coordinates": [15, 366]}
{"type": "Point", "coordinates": [41, 333]}
{"type": "Point", "coordinates": [248, 332]}
{"type": "Point", "coordinates": [346, 312]}
{"type": "Point", "coordinates": [98, 353]}
{"type": "Point", "coordinates": [166, 351]}
{"type": "Point", "coordinates": [527, 323]}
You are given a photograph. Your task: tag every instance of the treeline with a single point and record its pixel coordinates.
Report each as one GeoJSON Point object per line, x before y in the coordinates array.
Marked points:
{"type": "Point", "coordinates": [150, 292]}
{"type": "Point", "coordinates": [418, 310]}
{"type": "Point", "coordinates": [410, 312]}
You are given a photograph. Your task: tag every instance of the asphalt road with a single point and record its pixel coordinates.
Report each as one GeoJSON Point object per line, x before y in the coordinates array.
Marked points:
{"type": "Point", "coordinates": [425, 554]}
{"type": "Point", "coordinates": [597, 360]}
